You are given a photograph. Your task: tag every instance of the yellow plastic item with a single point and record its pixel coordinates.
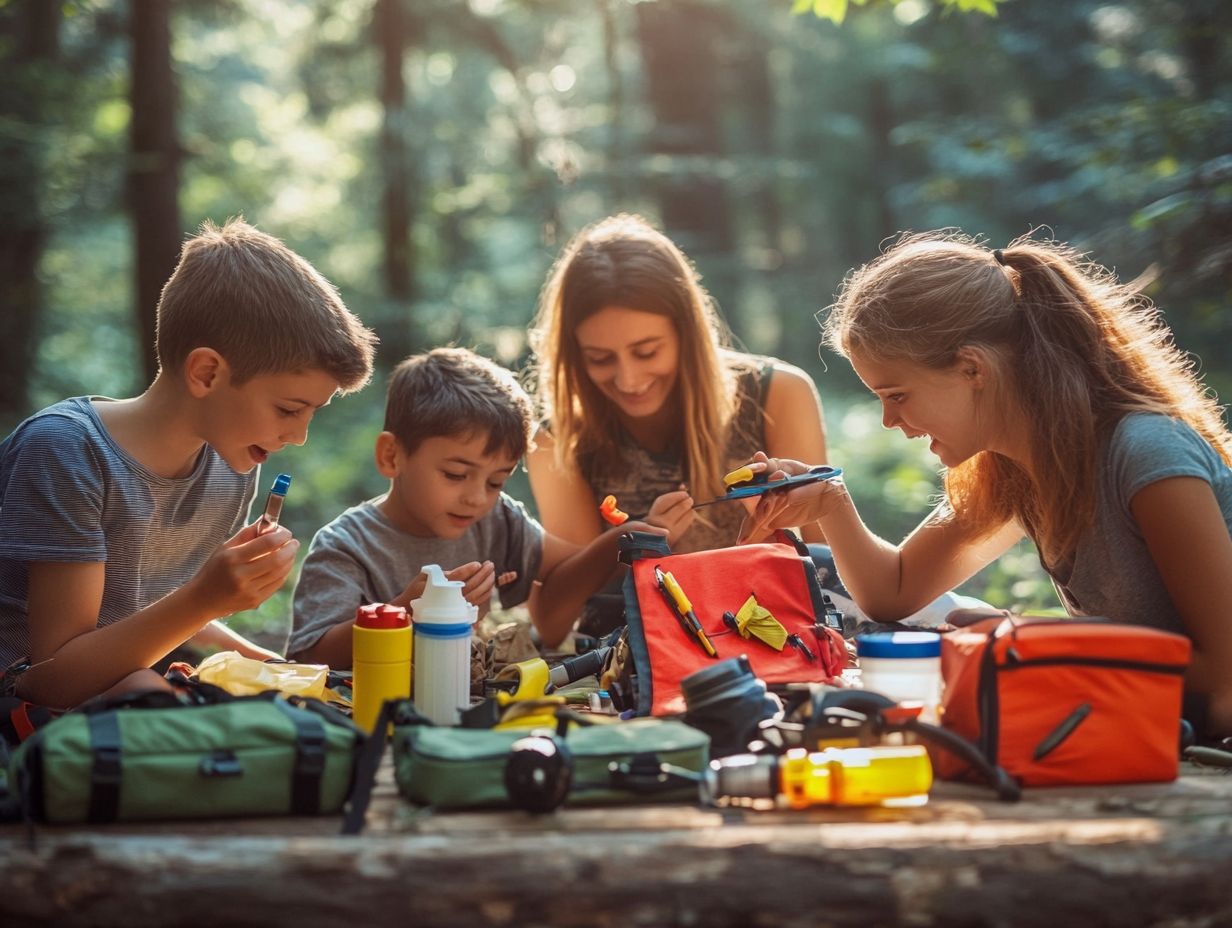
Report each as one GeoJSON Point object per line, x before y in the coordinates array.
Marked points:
{"type": "Point", "coordinates": [739, 475]}
{"type": "Point", "coordinates": [245, 676]}
{"type": "Point", "coordinates": [528, 713]}
{"type": "Point", "coordinates": [380, 669]}
{"type": "Point", "coordinates": [533, 677]}
{"type": "Point", "coordinates": [855, 776]}
{"type": "Point", "coordinates": [756, 621]}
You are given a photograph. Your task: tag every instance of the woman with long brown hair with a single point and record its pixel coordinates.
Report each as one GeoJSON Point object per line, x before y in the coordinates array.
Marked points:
{"type": "Point", "coordinates": [1063, 411]}
{"type": "Point", "coordinates": [644, 398]}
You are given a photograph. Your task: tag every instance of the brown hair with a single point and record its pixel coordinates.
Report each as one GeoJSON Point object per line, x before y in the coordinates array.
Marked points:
{"type": "Point", "coordinates": [262, 307]}
{"type": "Point", "coordinates": [1075, 351]}
{"type": "Point", "coordinates": [624, 261]}
{"type": "Point", "coordinates": [453, 391]}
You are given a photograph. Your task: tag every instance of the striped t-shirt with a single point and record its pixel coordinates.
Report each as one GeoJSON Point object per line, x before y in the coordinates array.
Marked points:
{"type": "Point", "coordinates": [69, 493]}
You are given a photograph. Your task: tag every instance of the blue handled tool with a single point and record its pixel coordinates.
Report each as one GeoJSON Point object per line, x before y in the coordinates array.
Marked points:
{"type": "Point", "coordinates": [757, 487]}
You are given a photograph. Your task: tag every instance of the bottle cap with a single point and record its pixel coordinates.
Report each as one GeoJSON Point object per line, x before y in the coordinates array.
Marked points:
{"type": "Point", "coordinates": [282, 483]}
{"type": "Point", "coordinates": [381, 615]}
{"type": "Point", "coordinates": [899, 644]}
{"type": "Point", "coordinates": [442, 602]}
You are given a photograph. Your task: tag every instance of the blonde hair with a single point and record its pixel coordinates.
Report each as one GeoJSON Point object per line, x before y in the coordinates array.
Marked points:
{"type": "Point", "coordinates": [623, 261]}
{"type": "Point", "coordinates": [1075, 351]}
{"type": "Point", "coordinates": [262, 307]}
{"type": "Point", "coordinates": [453, 392]}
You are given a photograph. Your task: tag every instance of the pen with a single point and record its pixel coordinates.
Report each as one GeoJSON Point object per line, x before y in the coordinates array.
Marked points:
{"type": "Point", "coordinates": [273, 504]}
{"type": "Point", "coordinates": [683, 609]}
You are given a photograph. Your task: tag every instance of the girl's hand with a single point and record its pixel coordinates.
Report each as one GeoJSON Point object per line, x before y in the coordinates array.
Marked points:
{"type": "Point", "coordinates": [245, 570]}
{"type": "Point", "coordinates": [672, 512]}
{"type": "Point", "coordinates": [789, 508]}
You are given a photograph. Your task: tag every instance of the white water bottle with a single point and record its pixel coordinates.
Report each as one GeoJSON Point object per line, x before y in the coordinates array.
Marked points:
{"type": "Point", "coordinates": [443, 622]}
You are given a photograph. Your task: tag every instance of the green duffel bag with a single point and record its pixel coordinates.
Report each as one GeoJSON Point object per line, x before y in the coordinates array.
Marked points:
{"type": "Point", "coordinates": [248, 756]}
{"type": "Point", "coordinates": [617, 762]}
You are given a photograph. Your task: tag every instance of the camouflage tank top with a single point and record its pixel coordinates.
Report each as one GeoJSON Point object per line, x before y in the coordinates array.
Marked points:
{"type": "Point", "coordinates": [644, 475]}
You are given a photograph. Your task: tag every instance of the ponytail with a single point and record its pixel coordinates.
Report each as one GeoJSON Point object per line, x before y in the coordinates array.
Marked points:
{"type": "Point", "coordinates": [1079, 351]}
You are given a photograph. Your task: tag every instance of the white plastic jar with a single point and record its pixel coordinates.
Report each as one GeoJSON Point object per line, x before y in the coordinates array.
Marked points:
{"type": "Point", "coordinates": [905, 666]}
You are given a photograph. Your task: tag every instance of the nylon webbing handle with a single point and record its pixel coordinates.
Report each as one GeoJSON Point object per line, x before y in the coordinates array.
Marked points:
{"type": "Point", "coordinates": [309, 767]}
{"type": "Point", "coordinates": [106, 771]}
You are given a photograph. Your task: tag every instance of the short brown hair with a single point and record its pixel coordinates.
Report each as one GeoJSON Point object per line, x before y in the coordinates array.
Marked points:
{"type": "Point", "coordinates": [262, 307]}
{"type": "Point", "coordinates": [453, 391]}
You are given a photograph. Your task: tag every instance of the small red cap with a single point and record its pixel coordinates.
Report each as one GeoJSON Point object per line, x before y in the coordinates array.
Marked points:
{"type": "Point", "coordinates": [381, 615]}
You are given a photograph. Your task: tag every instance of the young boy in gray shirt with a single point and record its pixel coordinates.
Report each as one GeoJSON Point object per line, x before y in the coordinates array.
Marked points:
{"type": "Point", "coordinates": [123, 522]}
{"type": "Point", "coordinates": [456, 426]}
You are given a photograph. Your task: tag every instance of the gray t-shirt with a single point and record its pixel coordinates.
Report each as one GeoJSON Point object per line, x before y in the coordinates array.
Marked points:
{"type": "Point", "coordinates": [69, 493]}
{"type": "Point", "coordinates": [361, 557]}
{"type": "Point", "coordinates": [1113, 573]}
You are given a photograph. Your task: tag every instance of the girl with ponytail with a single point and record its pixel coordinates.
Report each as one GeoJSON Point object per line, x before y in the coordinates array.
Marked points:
{"type": "Point", "coordinates": [1062, 410]}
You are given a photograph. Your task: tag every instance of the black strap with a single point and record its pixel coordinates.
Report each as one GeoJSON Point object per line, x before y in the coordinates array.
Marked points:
{"type": "Point", "coordinates": [106, 772]}
{"type": "Point", "coordinates": [309, 766]}
{"type": "Point", "coordinates": [370, 760]}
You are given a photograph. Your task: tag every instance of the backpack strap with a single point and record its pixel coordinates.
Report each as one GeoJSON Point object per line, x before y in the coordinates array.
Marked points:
{"type": "Point", "coordinates": [393, 711]}
{"type": "Point", "coordinates": [107, 770]}
{"type": "Point", "coordinates": [309, 766]}
{"type": "Point", "coordinates": [634, 546]}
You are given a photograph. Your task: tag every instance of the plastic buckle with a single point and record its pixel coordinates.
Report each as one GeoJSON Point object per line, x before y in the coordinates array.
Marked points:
{"type": "Point", "coordinates": [220, 764]}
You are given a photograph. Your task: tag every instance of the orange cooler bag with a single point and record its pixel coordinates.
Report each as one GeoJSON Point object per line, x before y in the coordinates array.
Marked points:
{"type": "Point", "coordinates": [1065, 701]}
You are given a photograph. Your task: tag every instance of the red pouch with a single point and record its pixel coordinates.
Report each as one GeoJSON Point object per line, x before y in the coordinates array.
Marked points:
{"type": "Point", "coordinates": [782, 577]}
{"type": "Point", "coordinates": [1065, 701]}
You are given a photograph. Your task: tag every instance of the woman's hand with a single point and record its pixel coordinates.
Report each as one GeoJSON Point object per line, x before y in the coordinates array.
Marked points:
{"type": "Point", "coordinates": [672, 512]}
{"type": "Point", "coordinates": [788, 508]}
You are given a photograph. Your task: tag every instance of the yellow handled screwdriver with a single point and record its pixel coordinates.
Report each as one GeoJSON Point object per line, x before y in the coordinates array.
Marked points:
{"type": "Point", "coordinates": [683, 608]}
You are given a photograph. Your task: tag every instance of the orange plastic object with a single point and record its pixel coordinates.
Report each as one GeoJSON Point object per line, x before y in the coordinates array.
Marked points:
{"type": "Point", "coordinates": [610, 513]}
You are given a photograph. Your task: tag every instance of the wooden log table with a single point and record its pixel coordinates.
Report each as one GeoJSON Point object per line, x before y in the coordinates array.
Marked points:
{"type": "Point", "coordinates": [1148, 855]}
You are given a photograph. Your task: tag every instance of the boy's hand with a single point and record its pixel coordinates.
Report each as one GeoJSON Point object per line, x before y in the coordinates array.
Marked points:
{"type": "Point", "coordinates": [478, 581]}
{"type": "Point", "coordinates": [672, 511]}
{"type": "Point", "coordinates": [245, 570]}
{"type": "Point", "coordinates": [413, 591]}
{"type": "Point", "coordinates": [635, 526]}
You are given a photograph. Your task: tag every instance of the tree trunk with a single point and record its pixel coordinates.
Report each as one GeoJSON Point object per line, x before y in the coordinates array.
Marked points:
{"type": "Point", "coordinates": [154, 171]}
{"type": "Point", "coordinates": [29, 35]}
{"type": "Point", "coordinates": [617, 168]}
{"type": "Point", "coordinates": [679, 48]}
{"type": "Point", "coordinates": [396, 209]}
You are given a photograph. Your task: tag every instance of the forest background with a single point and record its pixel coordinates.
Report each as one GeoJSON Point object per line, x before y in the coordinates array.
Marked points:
{"type": "Point", "coordinates": [431, 157]}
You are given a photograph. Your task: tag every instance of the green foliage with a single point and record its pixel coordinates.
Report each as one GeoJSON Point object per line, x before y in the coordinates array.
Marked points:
{"type": "Point", "coordinates": [836, 10]}
{"type": "Point", "coordinates": [1107, 121]}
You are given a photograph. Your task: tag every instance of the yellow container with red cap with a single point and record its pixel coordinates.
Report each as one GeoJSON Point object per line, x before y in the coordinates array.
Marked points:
{"type": "Point", "coordinates": [381, 643]}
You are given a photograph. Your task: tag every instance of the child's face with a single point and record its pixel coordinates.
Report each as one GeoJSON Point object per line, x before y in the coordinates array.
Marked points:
{"type": "Point", "coordinates": [632, 356]}
{"type": "Point", "coordinates": [941, 405]}
{"type": "Point", "coordinates": [246, 424]}
{"type": "Point", "coordinates": [445, 486]}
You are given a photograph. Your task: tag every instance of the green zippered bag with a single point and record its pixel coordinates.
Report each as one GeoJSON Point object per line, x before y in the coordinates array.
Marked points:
{"type": "Point", "coordinates": [465, 767]}
{"type": "Point", "coordinates": [247, 756]}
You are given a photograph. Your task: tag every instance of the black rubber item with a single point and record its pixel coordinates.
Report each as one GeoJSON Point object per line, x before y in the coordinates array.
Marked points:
{"type": "Point", "coordinates": [538, 773]}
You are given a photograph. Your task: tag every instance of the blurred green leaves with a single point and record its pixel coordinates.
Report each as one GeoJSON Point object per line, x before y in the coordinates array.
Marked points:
{"type": "Point", "coordinates": [836, 10]}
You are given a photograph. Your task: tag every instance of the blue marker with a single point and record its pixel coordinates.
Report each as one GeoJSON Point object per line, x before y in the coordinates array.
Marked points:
{"type": "Point", "coordinates": [273, 503]}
